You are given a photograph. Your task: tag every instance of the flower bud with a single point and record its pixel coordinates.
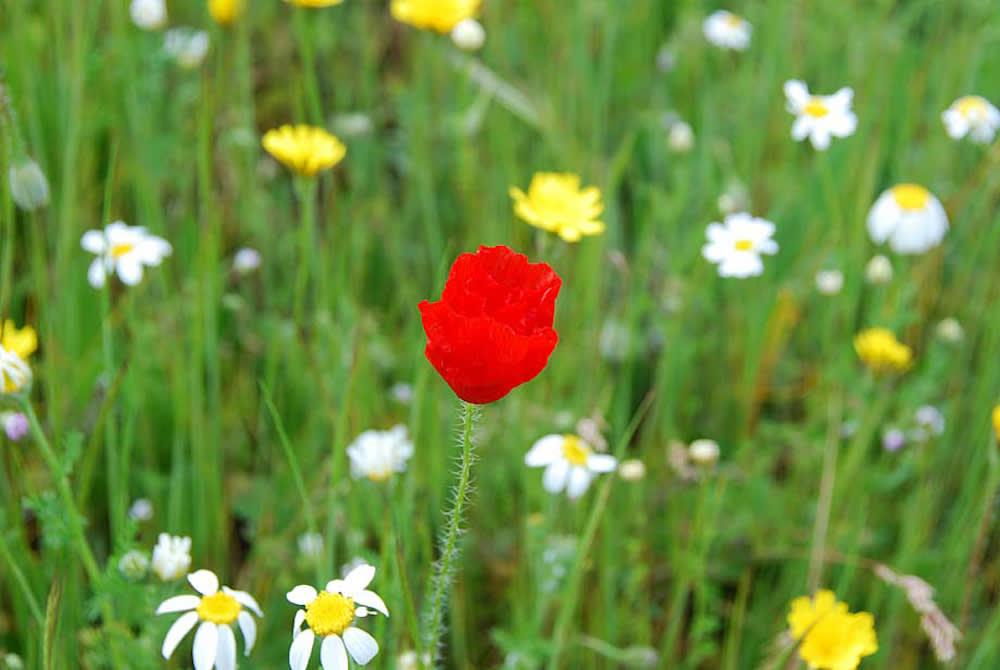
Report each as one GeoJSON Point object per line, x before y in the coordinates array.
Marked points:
{"type": "Point", "coordinates": [893, 439]}
{"type": "Point", "coordinates": [225, 12]}
{"type": "Point", "coordinates": [15, 425]}
{"type": "Point", "coordinates": [680, 137]}
{"type": "Point", "coordinates": [829, 282]}
{"type": "Point", "coordinates": [950, 330]}
{"type": "Point", "coordinates": [632, 470]}
{"type": "Point", "coordinates": [141, 510]}
{"type": "Point", "coordinates": [468, 35]}
{"type": "Point", "coordinates": [149, 14]}
{"type": "Point", "coordinates": [704, 452]}
{"type": "Point", "coordinates": [879, 270]}
{"type": "Point", "coordinates": [246, 260]}
{"type": "Point", "coordinates": [28, 186]}
{"type": "Point", "coordinates": [186, 46]}
{"type": "Point", "coordinates": [134, 565]}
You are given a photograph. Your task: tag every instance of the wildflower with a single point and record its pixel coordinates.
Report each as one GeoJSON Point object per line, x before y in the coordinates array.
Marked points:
{"type": "Point", "coordinates": [123, 250]}
{"type": "Point", "coordinates": [186, 46]}
{"type": "Point", "coordinates": [704, 452]}
{"type": "Point", "coordinates": [996, 421]}
{"type": "Point", "coordinates": [314, 3]}
{"type": "Point", "coordinates": [909, 217]}
{"type": "Point", "coordinates": [950, 330]}
{"type": "Point", "coordinates": [141, 510]}
{"type": "Point", "coordinates": [246, 260]}
{"type": "Point", "coordinates": [878, 270]}
{"type": "Point", "coordinates": [893, 439]}
{"type": "Point", "coordinates": [409, 660]}
{"type": "Point", "coordinates": [16, 345]}
{"type": "Point", "coordinates": [225, 12]}
{"type": "Point", "coordinates": [468, 35]}
{"type": "Point", "coordinates": [21, 341]}
{"type": "Point", "coordinates": [680, 137]}
{"type": "Point", "coordinates": [727, 30]}
{"type": "Point", "coordinates": [736, 246]}
{"type": "Point", "coordinates": [820, 117]}
{"type": "Point", "coordinates": [378, 454]}
{"type": "Point", "coordinates": [632, 470]}
{"type": "Point", "coordinates": [879, 349]}
{"type": "Point", "coordinates": [15, 425]}
{"type": "Point", "coordinates": [149, 14]}
{"type": "Point", "coordinates": [556, 203]}
{"type": "Point", "coordinates": [311, 546]}
{"type": "Point", "coordinates": [329, 614]}
{"type": "Point", "coordinates": [29, 189]}
{"type": "Point", "coordinates": [829, 282]}
{"type": "Point", "coordinates": [134, 565]}
{"type": "Point", "coordinates": [304, 149]}
{"type": "Point", "coordinates": [974, 116]}
{"type": "Point", "coordinates": [218, 610]}
{"type": "Point", "coordinates": [929, 420]}
{"type": "Point", "coordinates": [832, 637]}
{"type": "Point", "coordinates": [569, 462]}
{"type": "Point", "coordinates": [352, 124]}
{"type": "Point", "coordinates": [171, 556]}
{"type": "Point", "coordinates": [491, 331]}
{"type": "Point", "coordinates": [734, 198]}
{"type": "Point", "coordinates": [439, 15]}
{"type": "Point", "coordinates": [402, 393]}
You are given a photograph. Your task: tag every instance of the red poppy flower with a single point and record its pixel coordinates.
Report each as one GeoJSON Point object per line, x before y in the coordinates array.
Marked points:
{"type": "Point", "coordinates": [492, 328]}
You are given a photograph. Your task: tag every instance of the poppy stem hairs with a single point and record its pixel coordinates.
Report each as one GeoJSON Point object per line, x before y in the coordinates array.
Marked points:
{"type": "Point", "coordinates": [449, 541]}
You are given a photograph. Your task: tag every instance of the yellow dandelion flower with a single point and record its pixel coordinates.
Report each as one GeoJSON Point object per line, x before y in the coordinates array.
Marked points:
{"type": "Point", "coordinates": [314, 3]}
{"type": "Point", "coordinates": [22, 342]}
{"type": "Point", "coordinates": [832, 637]}
{"type": "Point", "coordinates": [879, 349]}
{"type": "Point", "coordinates": [996, 421]}
{"type": "Point", "coordinates": [225, 12]}
{"type": "Point", "coordinates": [556, 203]}
{"type": "Point", "coordinates": [304, 149]}
{"type": "Point", "coordinates": [439, 15]}
{"type": "Point", "coordinates": [806, 611]}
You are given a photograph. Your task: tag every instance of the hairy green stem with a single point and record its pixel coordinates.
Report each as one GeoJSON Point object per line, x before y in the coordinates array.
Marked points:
{"type": "Point", "coordinates": [450, 542]}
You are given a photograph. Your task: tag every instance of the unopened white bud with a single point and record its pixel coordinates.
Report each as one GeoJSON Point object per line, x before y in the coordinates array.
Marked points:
{"type": "Point", "coordinates": [680, 138]}
{"type": "Point", "coordinates": [704, 452]}
{"type": "Point", "coordinates": [28, 186]}
{"type": "Point", "coordinates": [468, 35]}
{"type": "Point", "coordinates": [879, 270]}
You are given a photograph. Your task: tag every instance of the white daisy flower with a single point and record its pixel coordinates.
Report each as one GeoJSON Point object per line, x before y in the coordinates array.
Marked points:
{"type": "Point", "coordinates": [974, 116]}
{"type": "Point", "coordinates": [217, 610]}
{"type": "Point", "coordinates": [171, 556]}
{"type": "Point", "coordinates": [829, 282]}
{"type": "Point", "coordinates": [378, 454]}
{"type": "Point", "coordinates": [149, 14]}
{"type": "Point", "coordinates": [909, 218]}
{"type": "Point", "coordinates": [569, 462]}
{"type": "Point", "coordinates": [15, 373]}
{"type": "Point", "coordinates": [736, 246]}
{"type": "Point", "coordinates": [123, 250]}
{"type": "Point", "coordinates": [820, 117]}
{"type": "Point", "coordinates": [329, 614]}
{"type": "Point", "coordinates": [186, 46]}
{"type": "Point", "coordinates": [727, 30]}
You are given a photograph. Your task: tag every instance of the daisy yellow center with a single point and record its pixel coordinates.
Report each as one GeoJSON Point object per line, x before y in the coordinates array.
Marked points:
{"type": "Point", "coordinates": [816, 109]}
{"type": "Point", "coordinates": [970, 106]}
{"type": "Point", "coordinates": [330, 613]}
{"type": "Point", "coordinates": [743, 245]}
{"type": "Point", "coordinates": [734, 20]}
{"type": "Point", "coordinates": [574, 450]}
{"type": "Point", "coordinates": [219, 608]}
{"type": "Point", "coordinates": [119, 250]}
{"type": "Point", "coordinates": [911, 197]}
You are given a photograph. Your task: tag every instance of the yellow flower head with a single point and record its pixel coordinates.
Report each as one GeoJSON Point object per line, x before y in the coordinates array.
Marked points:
{"type": "Point", "coordinates": [224, 12]}
{"type": "Point", "coordinates": [304, 149]}
{"type": "Point", "coordinates": [832, 637]}
{"type": "Point", "coordinates": [22, 342]}
{"type": "Point", "coordinates": [879, 349]}
{"type": "Point", "coordinates": [996, 421]}
{"type": "Point", "coordinates": [314, 3]}
{"type": "Point", "coordinates": [555, 203]}
{"type": "Point", "coordinates": [439, 15]}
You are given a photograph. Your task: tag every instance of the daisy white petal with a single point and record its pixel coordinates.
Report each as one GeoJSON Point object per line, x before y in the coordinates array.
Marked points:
{"type": "Point", "coordinates": [177, 631]}
{"type": "Point", "coordinates": [301, 650]}
{"type": "Point", "coordinates": [300, 618]}
{"type": "Point", "coordinates": [94, 242]}
{"type": "Point", "coordinates": [96, 274]}
{"type": "Point", "coordinates": [332, 654]}
{"type": "Point", "coordinates": [249, 628]}
{"type": "Point", "coordinates": [544, 451]}
{"type": "Point", "coordinates": [206, 643]}
{"type": "Point", "coordinates": [204, 582]}
{"type": "Point", "coordinates": [358, 579]}
{"type": "Point", "coordinates": [601, 463]}
{"type": "Point", "coordinates": [579, 480]}
{"type": "Point", "coordinates": [556, 474]}
{"type": "Point", "coordinates": [303, 594]}
{"type": "Point", "coordinates": [360, 645]}
{"type": "Point", "coordinates": [225, 655]}
{"type": "Point", "coordinates": [178, 604]}
{"type": "Point", "coordinates": [245, 599]}
{"type": "Point", "coordinates": [371, 599]}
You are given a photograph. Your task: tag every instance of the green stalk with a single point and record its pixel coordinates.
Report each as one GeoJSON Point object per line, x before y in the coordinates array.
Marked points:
{"type": "Point", "coordinates": [449, 544]}
{"type": "Point", "coordinates": [22, 581]}
{"type": "Point", "coordinates": [305, 189]}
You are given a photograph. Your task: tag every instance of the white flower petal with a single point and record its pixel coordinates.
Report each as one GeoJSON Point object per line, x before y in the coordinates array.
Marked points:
{"type": "Point", "coordinates": [225, 656]}
{"type": "Point", "coordinates": [883, 218]}
{"type": "Point", "coordinates": [301, 650]}
{"type": "Point", "coordinates": [371, 599]}
{"type": "Point", "coordinates": [544, 451]}
{"type": "Point", "coordinates": [204, 582]}
{"type": "Point", "coordinates": [820, 138]}
{"type": "Point", "coordinates": [554, 479]}
{"type": "Point", "coordinates": [601, 463]}
{"type": "Point", "coordinates": [245, 599]}
{"type": "Point", "coordinates": [361, 645]}
{"type": "Point", "coordinates": [300, 617]}
{"type": "Point", "coordinates": [335, 586]}
{"type": "Point", "coordinates": [579, 480]}
{"type": "Point", "coordinates": [358, 579]}
{"type": "Point", "coordinates": [742, 264]}
{"type": "Point", "coordinates": [206, 643]}
{"type": "Point", "coordinates": [801, 128]}
{"type": "Point", "coordinates": [96, 274]}
{"type": "Point", "coordinates": [714, 252]}
{"type": "Point", "coordinates": [178, 604]}
{"type": "Point", "coordinates": [177, 631]}
{"type": "Point", "coordinates": [797, 93]}
{"type": "Point", "coordinates": [249, 628]}
{"type": "Point", "coordinates": [333, 655]}
{"type": "Point", "coordinates": [717, 232]}
{"type": "Point", "coordinates": [129, 270]}
{"type": "Point", "coordinates": [94, 242]}
{"type": "Point", "coordinates": [303, 594]}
